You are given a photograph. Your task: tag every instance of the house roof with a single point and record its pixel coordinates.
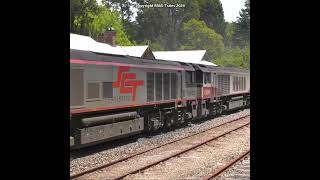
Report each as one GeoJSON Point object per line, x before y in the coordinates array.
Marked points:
{"type": "Point", "coordinates": [207, 63]}
{"type": "Point", "coordinates": [135, 51]}
{"type": "Point", "coordinates": [86, 43]}
{"type": "Point", "coordinates": [187, 56]}
{"type": "Point", "coordinates": [106, 48]}
{"type": "Point", "coordinates": [80, 42]}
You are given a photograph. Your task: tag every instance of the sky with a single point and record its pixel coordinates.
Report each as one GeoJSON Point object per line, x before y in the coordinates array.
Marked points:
{"type": "Point", "coordinates": [231, 9]}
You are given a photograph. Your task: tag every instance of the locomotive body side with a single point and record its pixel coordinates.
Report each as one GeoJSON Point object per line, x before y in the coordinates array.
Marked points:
{"type": "Point", "coordinates": [233, 86]}
{"type": "Point", "coordinates": [118, 96]}
{"type": "Point", "coordinates": [111, 98]}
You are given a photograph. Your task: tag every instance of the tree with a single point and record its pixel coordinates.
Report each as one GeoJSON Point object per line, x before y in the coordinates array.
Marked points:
{"type": "Point", "coordinates": [211, 12]}
{"type": "Point", "coordinates": [75, 7]}
{"type": "Point", "coordinates": [123, 6]}
{"type": "Point", "coordinates": [242, 28]}
{"type": "Point", "coordinates": [90, 19]}
{"type": "Point", "coordinates": [162, 25]}
{"type": "Point", "coordinates": [235, 57]}
{"type": "Point", "coordinates": [105, 19]}
{"type": "Point", "coordinates": [80, 15]}
{"type": "Point", "coordinates": [229, 34]}
{"type": "Point", "coordinates": [196, 35]}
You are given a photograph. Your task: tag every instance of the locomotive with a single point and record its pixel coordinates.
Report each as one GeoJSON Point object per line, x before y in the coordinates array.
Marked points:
{"type": "Point", "coordinates": [116, 96]}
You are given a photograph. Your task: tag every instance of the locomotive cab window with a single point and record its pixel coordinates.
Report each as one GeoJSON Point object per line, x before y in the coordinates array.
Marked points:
{"type": "Point", "coordinates": [199, 77]}
{"type": "Point", "coordinates": [189, 77]}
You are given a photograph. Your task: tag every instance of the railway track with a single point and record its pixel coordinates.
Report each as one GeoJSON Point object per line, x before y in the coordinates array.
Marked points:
{"type": "Point", "coordinates": [121, 168]}
{"type": "Point", "coordinates": [216, 172]}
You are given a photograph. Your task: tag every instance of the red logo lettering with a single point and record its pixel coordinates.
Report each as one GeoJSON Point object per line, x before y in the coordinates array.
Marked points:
{"type": "Point", "coordinates": [127, 82]}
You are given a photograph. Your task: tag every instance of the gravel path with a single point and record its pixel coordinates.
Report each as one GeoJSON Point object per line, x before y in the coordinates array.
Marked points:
{"type": "Point", "coordinates": [110, 154]}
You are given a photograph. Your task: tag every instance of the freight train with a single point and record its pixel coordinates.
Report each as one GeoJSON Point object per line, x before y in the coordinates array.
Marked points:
{"type": "Point", "coordinates": [116, 96]}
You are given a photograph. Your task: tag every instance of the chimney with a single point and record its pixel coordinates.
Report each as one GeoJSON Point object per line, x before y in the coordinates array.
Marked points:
{"type": "Point", "coordinates": [108, 37]}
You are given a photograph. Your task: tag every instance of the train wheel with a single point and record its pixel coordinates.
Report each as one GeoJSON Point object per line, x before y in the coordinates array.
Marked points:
{"type": "Point", "coordinates": [219, 110]}
{"type": "Point", "coordinates": [169, 120]}
{"type": "Point", "coordinates": [148, 122]}
{"type": "Point", "coordinates": [153, 121]}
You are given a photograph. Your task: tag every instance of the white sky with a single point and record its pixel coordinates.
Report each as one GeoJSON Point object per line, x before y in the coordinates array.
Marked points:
{"type": "Point", "coordinates": [231, 9]}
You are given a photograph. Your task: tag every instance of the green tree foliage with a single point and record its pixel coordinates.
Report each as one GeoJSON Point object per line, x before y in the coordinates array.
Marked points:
{"type": "Point", "coordinates": [75, 7]}
{"type": "Point", "coordinates": [90, 19]}
{"type": "Point", "coordinates": [104, 19]}
{"type": "Point", "coordinates": [235, 57]}
{"type": "Point", "coordinates": [80, 15]}
{"type": "Point", "coordinates": [191, 11]}
{"type": "Point", "coordinates": [162, 25]}
{"type": "Point", "coordinates": [123, 6]}
{"type": "Point", "coordinates": [200, 25]}
{"type": "Point", "coordinates": [211, 12]}
{"type": "Point", "coordinates": [242, 28]}
{"type": "Point", "coordinates": [237, 41]}
{"type": "Point", "coordinates": [154, 46]}
{"type": "Point", "coordinates": [196, 35]}
{"type": "Point", "coordinates": [229, 34]}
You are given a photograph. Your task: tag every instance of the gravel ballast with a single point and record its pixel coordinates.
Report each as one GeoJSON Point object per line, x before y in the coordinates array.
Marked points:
{"type": "Point", "coordinates": [108, 154]}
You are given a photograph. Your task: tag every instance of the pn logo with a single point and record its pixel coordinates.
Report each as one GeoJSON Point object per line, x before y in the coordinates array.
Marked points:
{"type": "Point", "coordinates": [127, 82]}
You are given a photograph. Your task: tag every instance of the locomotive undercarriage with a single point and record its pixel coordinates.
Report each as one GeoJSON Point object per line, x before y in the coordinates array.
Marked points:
{"type": "Point", "coordinates": [165, 117]}
{"type": "Point", "coordinates": [150, 119]}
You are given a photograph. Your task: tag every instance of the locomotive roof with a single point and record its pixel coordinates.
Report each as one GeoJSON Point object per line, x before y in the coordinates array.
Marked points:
{"type": "Point", "coordinates": [219, 69]}
{"type": "Point", "coordinates": [201, 67]}
{"type": "Point", "coordinates": [93, 56]}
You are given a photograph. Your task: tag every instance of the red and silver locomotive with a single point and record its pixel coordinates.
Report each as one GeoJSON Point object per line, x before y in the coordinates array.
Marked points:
{"type": "Point", "coordinates": [115, 96]}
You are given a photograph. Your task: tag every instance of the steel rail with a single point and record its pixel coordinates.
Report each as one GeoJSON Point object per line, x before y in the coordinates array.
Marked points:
{"type": "Point", "coordinates": [215, 173]}
{"type": "Point", "coordinates": [177, 154]}
{"type": "Point", "coordinates": [73, 176]}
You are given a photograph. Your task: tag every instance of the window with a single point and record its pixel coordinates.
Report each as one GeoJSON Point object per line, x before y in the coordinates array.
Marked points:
{"type": "Point", "coordinates": [189, 77]}
{"type": "Point", "coordinates": [107, 90]}
{"type": "Point", "coordinates": [213, 80]}
{"type": "Point", "coordinates": [207, 78]}
{"type": "Point", "coordinates": [93, 90]}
